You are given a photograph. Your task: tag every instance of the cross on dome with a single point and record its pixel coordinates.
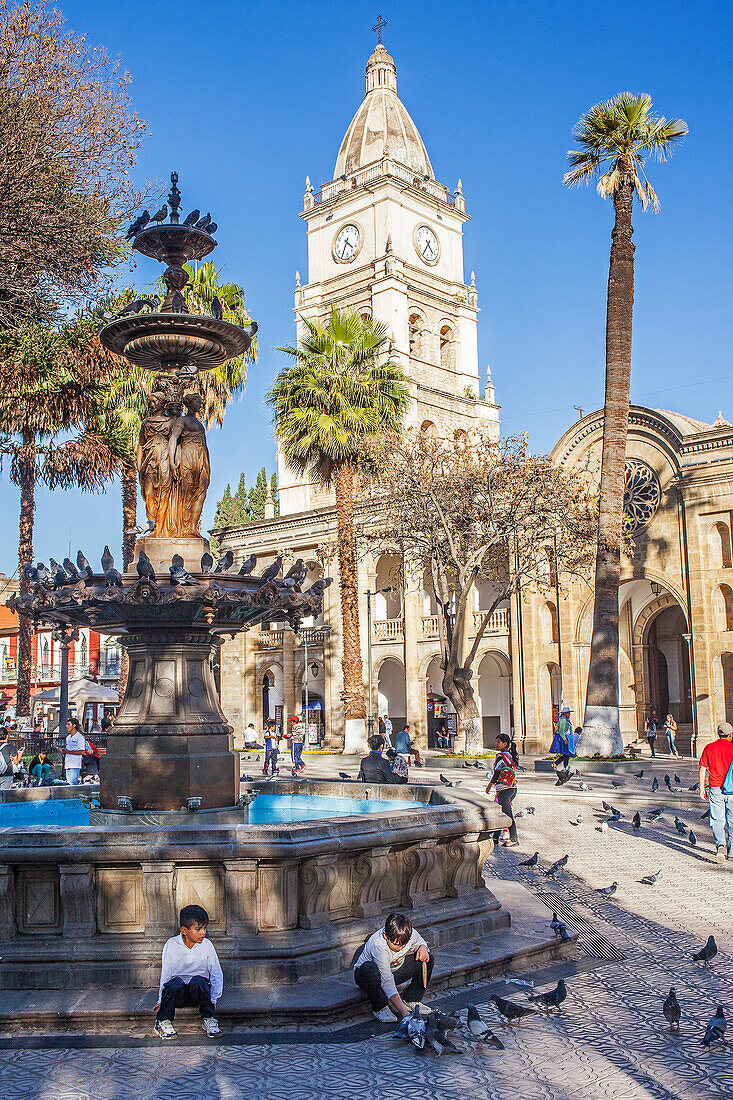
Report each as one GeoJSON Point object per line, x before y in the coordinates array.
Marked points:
{"type": "Point", "coordinates": [378, 28]}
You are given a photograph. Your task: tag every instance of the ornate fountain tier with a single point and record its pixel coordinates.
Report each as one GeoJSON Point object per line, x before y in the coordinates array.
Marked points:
{"type": "Point", "coordinates": [170, 341]}
{"type": "Point", "coordinates": [171, 740]}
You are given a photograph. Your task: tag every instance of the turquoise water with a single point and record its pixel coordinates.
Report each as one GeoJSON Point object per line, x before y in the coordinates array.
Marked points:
{"type": "Point", "coordinates": [267, 809]}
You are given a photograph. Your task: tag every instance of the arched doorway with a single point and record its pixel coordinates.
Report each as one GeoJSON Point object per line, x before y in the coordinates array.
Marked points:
{"type": "Point", "coordinates": [392, 692]}
{"type": "Point", "coordinates": [550, 697]}
{"type": "Point", "coordinates": [668, 665]}
{"type": "Point", "coordinates": [441, 714]}
{"type": "Point", "coordinates": [272, 695]}
{"type": "Point", "coordinates": [494, 696]}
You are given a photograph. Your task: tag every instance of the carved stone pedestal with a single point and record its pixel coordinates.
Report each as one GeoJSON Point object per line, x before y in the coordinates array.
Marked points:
{"type": "Point", "coordinates": [161, 551]}
{"type": "Point", "coordinates": [171, 740]}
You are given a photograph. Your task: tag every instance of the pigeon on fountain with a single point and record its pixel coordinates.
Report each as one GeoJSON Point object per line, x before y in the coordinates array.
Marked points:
{"type": "Point", "coordinates": [142, 528]}
{"type": "Point", "coordinates": [71, 569]}
{"type": "Point", "coordinates": [136, 307]}
{"type": "Point", "coordinates": [297, 572]}
{"type": "Point", "coordinates": [247, 566]}
{"type": "Point", "coordinates": [203, 223]}
{"type": "Point", "coordinates": [319, 587]}
{"type": "Point", "coordinates": [192, 218]}
{"type": "Point", "coordinates": [217, 310]}
{"type": "Point", "coordinates": [179, 575]}
{"type": "Point", "coordinates": [145, 567]}
{"type": "Point", "coordinates": [225, 562]}
{"type": "Point", "coordinates": [59, 573]}
{"type": "Point", "coordinates": [207, 562]}
{"type": "Point", "coordinates": [138, 224]}
{"type": "Point", "coordinates": [108, 562]}
{"type": "Point", "coordinates": [211, 229]}
{"type": "Point", "coordinates": [160, 215]}
{"type": "Point", "coordinates": [85, 569]}
{"type": "Point", "coordinates": [113, 578]}
{"type": "Point", "coordinates": [272, 570]}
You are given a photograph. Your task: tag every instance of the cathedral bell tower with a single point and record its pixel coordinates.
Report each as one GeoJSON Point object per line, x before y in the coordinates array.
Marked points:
{"type": "Point", "coordinates": [386, 239]}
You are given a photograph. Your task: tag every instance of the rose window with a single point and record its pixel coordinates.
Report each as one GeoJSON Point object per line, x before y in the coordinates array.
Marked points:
{"type": "Point", "coordinates": [641, 495]}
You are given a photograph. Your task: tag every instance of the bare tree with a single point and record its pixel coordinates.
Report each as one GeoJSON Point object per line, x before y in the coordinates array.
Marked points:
{"type": "Point", "coordinates": [68, 141]}
{"type": "Point", "coordinates": [468, 509]}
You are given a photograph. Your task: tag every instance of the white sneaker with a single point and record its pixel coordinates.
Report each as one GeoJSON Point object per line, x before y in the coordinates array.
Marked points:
{"type": "Point", "coordinates": [385, 1015]}
{"type": "Point", "coordinates": [210, 1026]}
{"type": "Point", "coordinates": [165, 1029]}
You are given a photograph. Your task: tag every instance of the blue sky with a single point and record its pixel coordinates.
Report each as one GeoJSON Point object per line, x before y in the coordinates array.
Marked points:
{"type": "Point", "coordinates": [245, 99]}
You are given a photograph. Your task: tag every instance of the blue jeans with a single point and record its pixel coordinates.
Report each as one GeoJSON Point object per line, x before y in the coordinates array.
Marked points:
{"type": "Point", "coordinates": [72, 776]}
{"type": "Point", "coordinates": [721, 814]}
{"type": "Point", "coordinates": [297, 751]}
{"type": "Point", "coordinates": [672, 746]}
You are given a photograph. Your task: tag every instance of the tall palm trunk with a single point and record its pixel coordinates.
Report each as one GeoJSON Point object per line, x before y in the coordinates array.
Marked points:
{"type": "Point", "coordinates": [353, 691]}
{"type": "Point", "coordinates": [27, 482]}
{"type": "Point", "coordinates": [129, 520]}
{"type": "Point", "coordinates": [601, 732]}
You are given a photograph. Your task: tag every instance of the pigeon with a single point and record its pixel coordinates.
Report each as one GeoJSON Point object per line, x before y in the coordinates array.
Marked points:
{"type": "Point", "coordinates": [654, 814]}
{"type": "Point", "coordinates": [672, 1011]}
{"type": "Point", "coordinates": [531, 862]}
{"type": "Point", "coordinates": [704, 816]}
{"type": "Point", "coordinates": [160, 215]}
{"type": "Point", "coordinates": [692, 838]}
{"type": "Point", "coordinates": [179, 575]}
{"type": "Point", "coordinates": [135, 307]}
{"type": "Point", "coordinates": [445, 1021]}
{"type": "Point", "coordinates": [652, 880]}
{"type": "Point", "coordinates": [192, 218]}
{"type": "Point", "coordinates": [204, 222]}
{"type": "Point", "coordinates": [706, 953]}
{"type": "Point", "coordinates": [145, 566]}
{"type": "Point", "coordinates": [616, 814]}
{"type": "Point", "coordinates": [602, 828]}
{"type": "Point", "coordinates": [217, 310]}
{"type": "Point", "coordinates": [319, 587]}
{"type": "Point", "coordinates": [557, 866]}
{"type": "Point", "coordinates": [526, 812]}
{"type": "Point", "coordinates": [655, 784]}
{"type": "Point", "coordinates": [343, 775]}
{"type": "Point", "coordinates": [298, 573]}
{"type": "Point", "coordinates": [272, 570]}
{"type": "Point", "coordinates": [225, 562]}
{"type": "Point", "coordinates": [108, 562]}
{"type": "Point", "coordinates": [636, 820]}
{"type": "Point", "coordinates": [412, 1027]}
{"type": "Point", "coordinates": [615, 783]}
{"type": "Point", "coordinates": [554, 997]}
{"type": "Point", "coordinates": [677, 779]}
{"type": "Point", "coordinates": [510, 1010]}
{"type": "Point", "coordinates": [668, 783]}
{"type": "Point", "coordinates": [142, 528]}
{"type": "Point", "coordinates": [85, 568]}
{"type": "Point", "coordinates": [71, 569]}
{"type": "Point", "coordinates": [59, 573]}
{"type": "Point", "coordinates": [578, 820]}
{"type": "Point", "coordinates": [560, 929]}
{"type": "Point", "coordinates": [207, 562]}
{"type": "Point", "coordinates": [31, 573]}
{"type": "Point", "coordinates": [695, 788]}
{"type": "Point", "coordinates": [715, 1030]}
{"type": "Point", "coordinates": [639, 775]}
{"type": "Point", "coordinates": [607, 808]}
{"type": "Point", "coordinates": [247, 566]}
{"type": "Point", "coordinates": [437, 1038]}
{"type": "Point", "coordinates": [680, 826]}
{"type": "Point", "coordinates": [584, 786]}
{"type": "Point", "coordinates": [609, 891]}
{"type": "Point", "coordinates": [480, 1031]}
{"type": "Point", "coordinates": [113, 578]}
{"type": "Point", "coordinates": [449, 782]}
{"type": "Point", "coordinates": [138, 224]}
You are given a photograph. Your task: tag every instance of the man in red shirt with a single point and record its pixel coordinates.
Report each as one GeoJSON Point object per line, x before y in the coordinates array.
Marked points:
{"type": "Point", "coordinates": [715, 761]}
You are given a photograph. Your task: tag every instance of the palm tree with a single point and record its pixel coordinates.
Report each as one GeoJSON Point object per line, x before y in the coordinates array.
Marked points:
{"type": "Point", "coordinates": [52, 383]}
{"type": "Point", "coordinates": [615, 139]}
{"type": "Point", "coordinates": [338, 390]}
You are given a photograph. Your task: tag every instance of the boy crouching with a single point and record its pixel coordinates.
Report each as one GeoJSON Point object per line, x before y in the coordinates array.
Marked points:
{"type": "Point", "coordinates": [394, 955]}
{"type": "Point", "coordinates": [190, 974]}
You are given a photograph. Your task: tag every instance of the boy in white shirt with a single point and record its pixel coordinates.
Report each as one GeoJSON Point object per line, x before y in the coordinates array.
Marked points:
{"type": "Point", "coordinates": [394, 955]}
{"type": "Point", "coordinates": [190, 974]}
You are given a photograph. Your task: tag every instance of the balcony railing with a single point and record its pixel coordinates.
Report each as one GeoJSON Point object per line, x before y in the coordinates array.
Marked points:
{"type": "Point", "coordinates": [430, 626]}
{"type": "Point", "coordinates": [388, 630]}
{"type": "Point", "coordinates": [498, 623]}
{"type": "Point", "coordinates": [377, 170]}
{"type": "Point", "coordinates": [51, 673]}
{"type": "Point", "coordinates": [273, 639]}
{"type": "Point", "coordinates": [270, 639]}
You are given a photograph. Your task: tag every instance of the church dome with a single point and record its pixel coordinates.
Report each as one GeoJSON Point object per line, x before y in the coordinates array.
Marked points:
{"type": "Point", "coordinates": [382, 126]}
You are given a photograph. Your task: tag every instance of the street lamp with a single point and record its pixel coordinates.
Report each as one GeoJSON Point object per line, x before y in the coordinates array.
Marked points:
{"type": "Point", "coordinates": [369, 594]}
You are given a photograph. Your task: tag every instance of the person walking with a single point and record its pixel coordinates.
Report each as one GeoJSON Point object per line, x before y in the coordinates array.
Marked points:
{"type": "Point", "coordinates": [670, 728]}
{"type": "Point", "coordinates": [564, 729]}
{"type": "Point", "coordinates": [297, 737]}
{"type": "Point", "coordinates": [271, 748]}
{"type": "Point", "coordinates": [650, 731]}
{"type": "Point", "coordinates": [504, 779]}
{"type": "Point", "coordinates": [75, 749]}
{"type": "Point", "coordinates": [387, 732]}
{"type": "Point", "coordinates": [716, 788]}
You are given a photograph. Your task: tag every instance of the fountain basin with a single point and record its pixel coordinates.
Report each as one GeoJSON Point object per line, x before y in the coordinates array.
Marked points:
{"type": "Point", "coordinates": [287, 902]}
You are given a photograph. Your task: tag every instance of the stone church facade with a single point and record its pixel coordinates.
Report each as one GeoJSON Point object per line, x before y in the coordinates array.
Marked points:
{"type": "Point", "coordinates": [386, 238]}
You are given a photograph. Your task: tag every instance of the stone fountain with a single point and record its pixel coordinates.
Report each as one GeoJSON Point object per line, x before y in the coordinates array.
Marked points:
{"type": "Point", "coordinates": [171, 741]}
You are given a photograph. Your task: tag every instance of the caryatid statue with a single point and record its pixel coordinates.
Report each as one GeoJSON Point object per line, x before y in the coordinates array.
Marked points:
{"type": "Point", "coordinates": [173, 464]}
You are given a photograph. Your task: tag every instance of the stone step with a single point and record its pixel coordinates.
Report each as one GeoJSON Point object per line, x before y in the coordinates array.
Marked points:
{"type": "Point", "coordinates": [528, 942]}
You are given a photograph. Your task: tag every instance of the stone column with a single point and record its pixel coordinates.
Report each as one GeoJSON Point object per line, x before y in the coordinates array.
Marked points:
{"type": "Point", "coordinates": [416, 712]}
{"type": "Point", "coordinates": [160, 905]}
{"type": "Point", "coordinates": [7, 902]}
{"type": "Point", "coordinates": [240, 884]}
{"type": "Point", "coordinates": [76, 890]}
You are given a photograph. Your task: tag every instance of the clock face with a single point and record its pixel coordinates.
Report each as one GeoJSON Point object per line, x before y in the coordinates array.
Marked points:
{"type": "Point", "coordinates": [427, 245]}
{"type": "Point", "coordinates": [347, 243]}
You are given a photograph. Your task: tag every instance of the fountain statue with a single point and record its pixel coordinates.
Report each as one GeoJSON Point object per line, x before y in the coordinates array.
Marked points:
{"type": "Point", "coordinates": [171, 742]}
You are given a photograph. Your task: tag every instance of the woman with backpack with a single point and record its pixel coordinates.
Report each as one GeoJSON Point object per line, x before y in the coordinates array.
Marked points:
{"type": "Point", "coordinates": [505, 781]}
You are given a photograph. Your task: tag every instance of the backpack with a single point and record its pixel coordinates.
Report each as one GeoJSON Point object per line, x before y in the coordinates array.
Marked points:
{"type": "Point", "coordinates": [506, 775]}
{"type": "Point", "coordinates": [727, 787]}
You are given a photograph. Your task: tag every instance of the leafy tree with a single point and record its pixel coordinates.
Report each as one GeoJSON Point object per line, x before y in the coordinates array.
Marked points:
{"type": "Point", "coordinates": [340, 387]}
{"type": "Point", "coordinates": [68, 141]}
{"type": "Point", "coordinates": [275, 494]}
{"type": "Point", "coordinates": [615, 139]}
{"type": "Point", "coordinates": [469, 509]}
{"type": "Point", "coordinates": [258, 495]}
{"type": "Point", "coordinates": [240, 505]}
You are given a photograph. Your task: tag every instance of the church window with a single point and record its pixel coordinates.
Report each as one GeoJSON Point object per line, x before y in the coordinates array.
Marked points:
{"type": "Point", "coordinates": [727, 599]}
{"type": "Point", "coordinates": [417, 342]}
{"type": "Point", "coordinates": [550, 628]}
{"type": "Point", "coordinates": [721, 544]}
{"type": "Point", "coordinates": [447, 348]}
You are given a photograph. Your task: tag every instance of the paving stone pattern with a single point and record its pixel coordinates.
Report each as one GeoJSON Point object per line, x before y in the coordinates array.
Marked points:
{"type": "Point", "coordinates": [609, 1041]}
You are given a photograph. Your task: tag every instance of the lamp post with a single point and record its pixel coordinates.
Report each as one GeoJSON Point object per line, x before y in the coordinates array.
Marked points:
{"type": "Point", "coordinates": [305, 713]}
{"type": "Point", "coordinates": [370, 709]}
{"type": "Point", "coordinates": [64, 634]}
